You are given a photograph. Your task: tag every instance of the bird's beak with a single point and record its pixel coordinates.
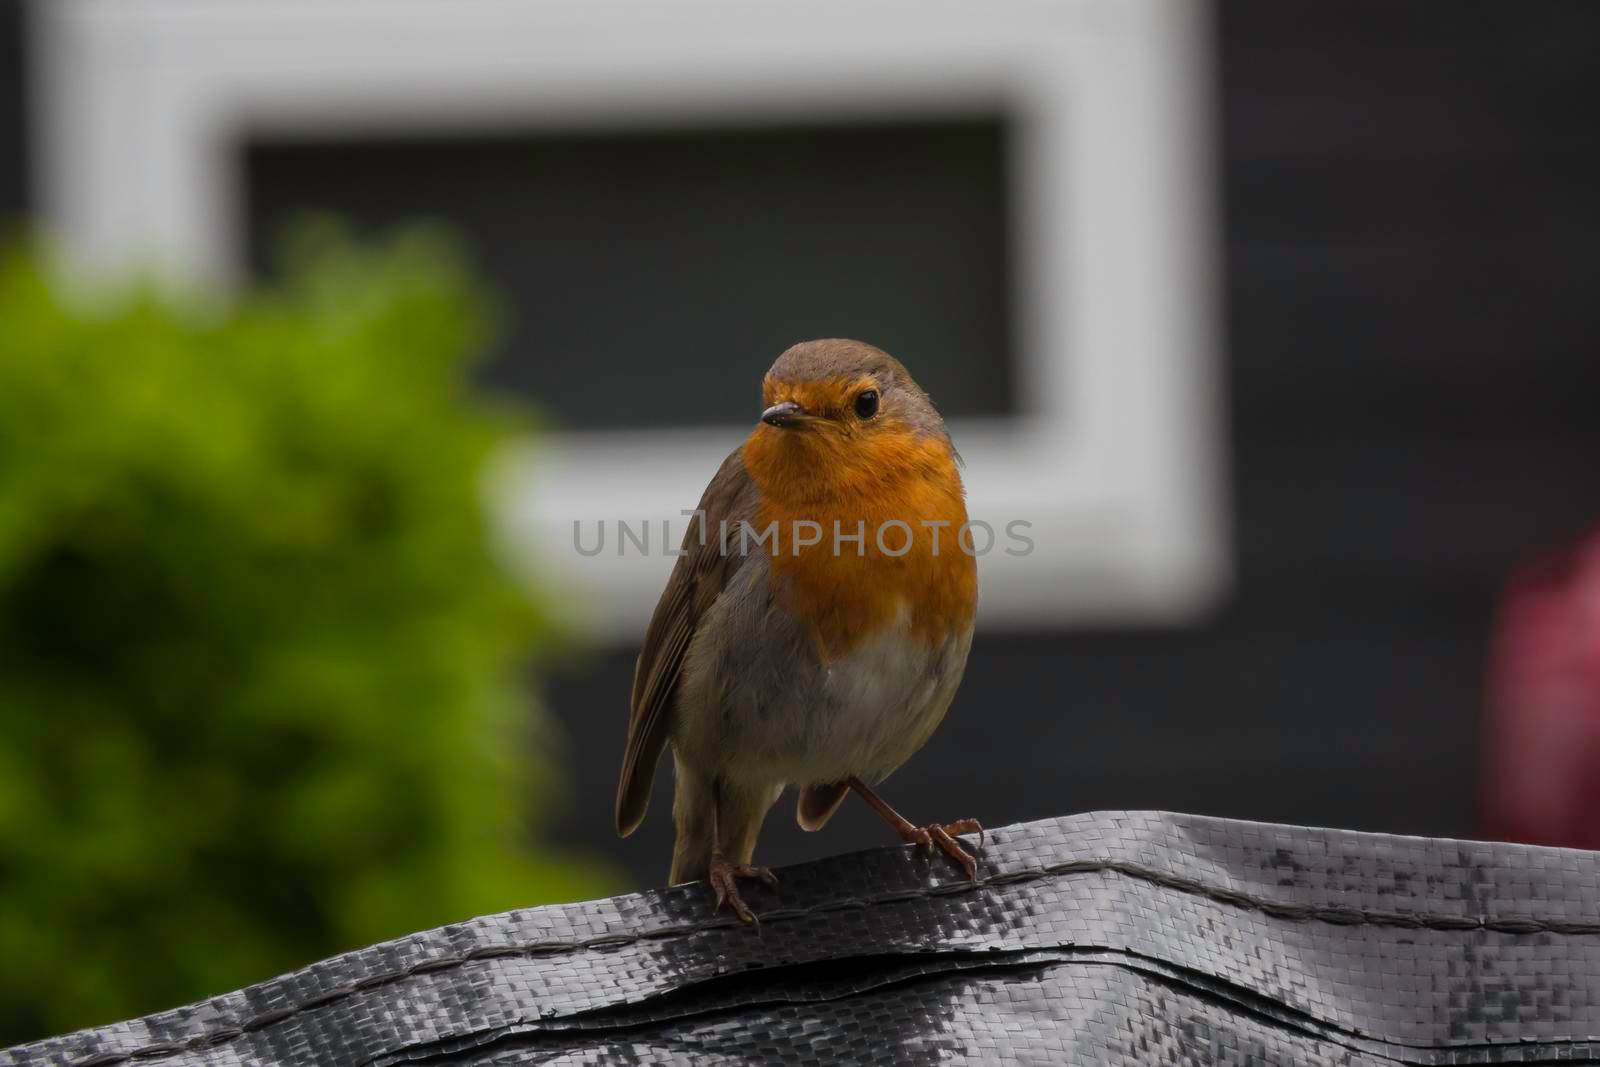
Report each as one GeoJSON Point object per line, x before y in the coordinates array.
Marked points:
{"type": "Point", "coordinates": [787, 413]}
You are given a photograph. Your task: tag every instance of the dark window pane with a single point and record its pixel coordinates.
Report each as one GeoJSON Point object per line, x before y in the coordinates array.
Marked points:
{"type": "Point", "coordinates": [654, 275]}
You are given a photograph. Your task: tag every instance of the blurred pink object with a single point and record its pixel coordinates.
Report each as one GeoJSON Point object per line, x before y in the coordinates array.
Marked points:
{"type": "Point", "coordinates": [1542, 750]}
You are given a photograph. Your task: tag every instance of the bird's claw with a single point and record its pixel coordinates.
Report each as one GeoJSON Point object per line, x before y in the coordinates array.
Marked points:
{"type": "Point", "coordinates": [722, 877]}
{"type": "Point", "coordinates": [944, 835]}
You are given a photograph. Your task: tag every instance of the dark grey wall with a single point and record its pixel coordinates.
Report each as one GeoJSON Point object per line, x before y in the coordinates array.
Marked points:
{"type": "Point", "coordinates": [13, 104]}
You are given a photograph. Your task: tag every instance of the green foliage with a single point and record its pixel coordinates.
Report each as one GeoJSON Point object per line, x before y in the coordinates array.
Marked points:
{"type": "Point", "coordinates": [262, 692]}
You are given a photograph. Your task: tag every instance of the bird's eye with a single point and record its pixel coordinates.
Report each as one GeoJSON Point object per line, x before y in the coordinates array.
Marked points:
{"type": "Point", "coordinates": [866, 404]}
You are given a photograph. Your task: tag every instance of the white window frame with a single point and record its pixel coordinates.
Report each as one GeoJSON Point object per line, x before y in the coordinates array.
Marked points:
{"type": "Point", "coordinates": [1118, 459]}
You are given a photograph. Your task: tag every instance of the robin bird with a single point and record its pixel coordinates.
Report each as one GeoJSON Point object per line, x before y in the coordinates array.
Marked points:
{"type": "Point", "coordinates": [817, 624]}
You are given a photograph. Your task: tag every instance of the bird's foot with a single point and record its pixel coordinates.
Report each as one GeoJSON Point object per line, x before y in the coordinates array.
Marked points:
{"type": "Point", "coordinates": [723, 878]}
{"type": "Point", "coordinates": [944, 835]}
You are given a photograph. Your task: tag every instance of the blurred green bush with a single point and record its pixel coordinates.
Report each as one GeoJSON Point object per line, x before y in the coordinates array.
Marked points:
{"type": "Point", "coordinates": [262, 692]}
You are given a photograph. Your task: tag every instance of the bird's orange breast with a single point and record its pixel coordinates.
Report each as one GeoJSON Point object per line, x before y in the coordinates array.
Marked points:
{"type": "Point", "coordinates": [902, 493]}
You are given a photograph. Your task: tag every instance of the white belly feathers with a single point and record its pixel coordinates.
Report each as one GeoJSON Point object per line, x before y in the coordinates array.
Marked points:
{"type": "Point", "coordinates": [765, 709]}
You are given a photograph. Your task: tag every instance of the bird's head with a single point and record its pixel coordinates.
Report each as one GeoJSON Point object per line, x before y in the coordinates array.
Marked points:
{"type": "Point", "coordinates": [842, 415]}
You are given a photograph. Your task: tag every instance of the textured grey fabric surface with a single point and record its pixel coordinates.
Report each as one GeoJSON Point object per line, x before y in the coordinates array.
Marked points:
{"type": "Point", "coordinates": [1109, 938]}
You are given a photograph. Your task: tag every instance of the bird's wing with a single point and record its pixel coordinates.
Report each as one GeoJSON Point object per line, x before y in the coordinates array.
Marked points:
{"type": "Point", "coordinates": [698, 578]}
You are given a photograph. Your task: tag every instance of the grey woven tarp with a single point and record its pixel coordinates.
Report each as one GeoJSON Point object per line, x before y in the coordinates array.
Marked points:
{"type": "Point", "coordinates": [1112, 938]}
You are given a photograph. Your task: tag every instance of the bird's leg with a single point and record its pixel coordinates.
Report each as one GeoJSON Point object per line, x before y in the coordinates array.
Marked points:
{"type": "Point", "coordinates": [722, 874]}
{"type": "Point", "coordinates": [941, 834]}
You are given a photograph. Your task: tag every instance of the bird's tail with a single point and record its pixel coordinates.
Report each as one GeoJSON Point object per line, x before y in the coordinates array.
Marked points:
{"type": "Point", "coordinates": [704, 808]}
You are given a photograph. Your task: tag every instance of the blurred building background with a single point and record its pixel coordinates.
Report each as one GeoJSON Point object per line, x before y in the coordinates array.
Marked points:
{"type": "Point", "coordinates": [1407, 252]}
